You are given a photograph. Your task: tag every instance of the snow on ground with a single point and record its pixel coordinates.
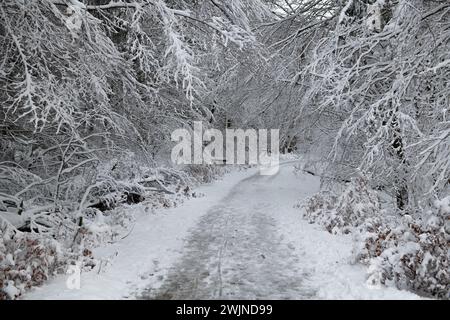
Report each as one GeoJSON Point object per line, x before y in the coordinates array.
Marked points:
{"type": "Point", "coordinates": [146, 254]}
{"type": "Point", "coordinates": [244, 239]}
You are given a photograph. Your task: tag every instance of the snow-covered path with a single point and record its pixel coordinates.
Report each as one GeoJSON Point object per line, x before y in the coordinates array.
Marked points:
{"type": "Point", "coordinates": [243, 240]}
{"type": "Point", "coordinates": [237, 250]}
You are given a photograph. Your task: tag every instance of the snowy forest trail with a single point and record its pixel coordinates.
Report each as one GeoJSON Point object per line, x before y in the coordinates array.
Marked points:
{"type": "Point", "coordinates": [253, 244]}
{"type": "Point", "coordinates": [237, 250]}
{"type": "Point", "coordinates": [111, 110]}
{"type": "Point", "coordinates": [244, 239]}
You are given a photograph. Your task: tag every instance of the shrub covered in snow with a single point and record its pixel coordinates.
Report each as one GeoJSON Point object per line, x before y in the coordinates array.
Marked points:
{"type": "Point", "coordinates": [413, 255]}
{"type": "Point", "coordinates": [340, 213]}
{"type": "Point", "coordinates": [205, 173]}
{"type": "Point", "coordinates": [409, 253]}
{"type": "Point", "coordinates": [26, 260]}
{"type": "Point", "coordinates": [94, 92]}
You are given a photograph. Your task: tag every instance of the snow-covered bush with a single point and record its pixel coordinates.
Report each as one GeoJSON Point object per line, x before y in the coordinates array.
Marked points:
{"type": "Point", "coordinates": [413, 255]}
{"type": "Point", "coordinates": [92, 91]}
{"type": "Point", "coordinates": [26, 260]}
{"type": "Point", "coordinates": [103, 227]}
{"type": "Point", "coordinates": [409, 253]}
{"type": "Point", "coordinates": [204, 173]}
{"type": "Point", "coordinates": [340, 213]}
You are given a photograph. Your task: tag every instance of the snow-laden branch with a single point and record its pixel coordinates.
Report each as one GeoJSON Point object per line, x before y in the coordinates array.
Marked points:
{"type": "Point", "coordinates": [238, 36]}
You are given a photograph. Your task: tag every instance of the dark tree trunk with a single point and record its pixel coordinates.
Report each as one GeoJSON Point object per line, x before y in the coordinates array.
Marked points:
{"type": "Point", "coordinates": [401, 188]}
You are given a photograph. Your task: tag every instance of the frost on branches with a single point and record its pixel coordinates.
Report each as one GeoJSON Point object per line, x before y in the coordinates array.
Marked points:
{"type": "Point", "coordinates": [26, 260]}
{"type": "Point", "coordinates": [91, 90]}
{"type": "Point", "coordinates": [373, 81]}
{"type": "Point", "coordinates": [355, 205]}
